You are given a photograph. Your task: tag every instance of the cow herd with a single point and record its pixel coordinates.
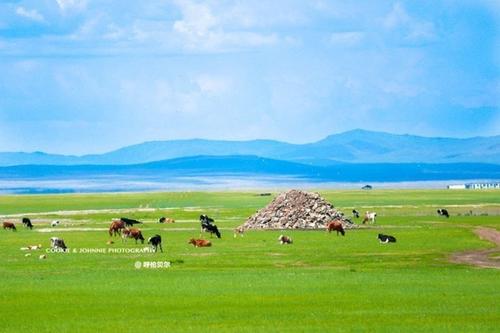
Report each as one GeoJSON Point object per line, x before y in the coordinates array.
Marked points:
{"type": "Point", "coordinates": [123, 227]}
{"type": "Point", "coordinates": [126, 229]}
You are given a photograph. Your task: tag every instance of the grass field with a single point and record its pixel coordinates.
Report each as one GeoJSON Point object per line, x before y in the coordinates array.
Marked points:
{"type": "Point", "coordinates": [320, 283]}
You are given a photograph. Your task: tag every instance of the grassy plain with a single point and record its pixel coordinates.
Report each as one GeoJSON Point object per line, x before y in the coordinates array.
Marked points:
{"type": "Point", "coordinates": [320, 283]}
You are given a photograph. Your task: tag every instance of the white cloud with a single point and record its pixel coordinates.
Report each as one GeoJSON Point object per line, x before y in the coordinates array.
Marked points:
{"type": "Point", "coordinates": [413, 29]}
{"type": "Point", "coordinates": [30, 14]}
{"type": "Point", "coordinates": [67, 5]}
{"type": "Point", "coordinates": [401, 89]}
{"type": "Point", "coordinates": [200, 29]}
{"type": "Point", "coordinates": [212, 85]}
{"type": "Point", "coordinates": [87, 29]}
{"type": "Point", "coordinates": [113, 32]}
{"type": "Point", "coordinates": [263, 14]}
{"type": "Point", "coordinates": [484, 94]}
{"type": "Point", "coordinates": [349, 38]}
{"type": "Point", "coordinates": [26, 65]}
{"type": "Point", "coordinates": [396, 17]}
{"type": "Point", "coordinates": [197, 20]}
{"type": "Point", "coordinates": [241, 39]}
{"type": "Point", "coordinates": [422, 31]}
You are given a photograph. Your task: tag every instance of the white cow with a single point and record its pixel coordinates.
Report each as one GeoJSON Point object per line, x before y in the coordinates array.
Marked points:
{"type": "Point", "coordinates": [369, 217]}
{"type": "Point", "coordinates": [55, 223]}
{"type": "Point", "coordinates": [32, 247]}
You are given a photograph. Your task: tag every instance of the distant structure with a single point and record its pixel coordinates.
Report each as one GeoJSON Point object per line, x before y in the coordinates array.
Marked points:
{"type": "Point", "coordinates": [456, 187]}
{"type": "Point", "coordinates": [367, 187]}
{"type": "Point", "coordinates": [475, 186]}
{"type": "Point", "coordinates": [481, 186]}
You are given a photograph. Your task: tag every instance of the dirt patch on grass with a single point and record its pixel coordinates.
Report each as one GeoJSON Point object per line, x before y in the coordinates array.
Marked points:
{"type": "Point", "coordinates": [482, 258]}
{"type": "Point", "coordinates": [489, 234]}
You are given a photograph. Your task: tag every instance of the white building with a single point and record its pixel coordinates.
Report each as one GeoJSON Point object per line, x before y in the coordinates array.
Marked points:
{"type": "Point", "coordinates": [474, 186]}
{"type": "Point", "coordinates": [456, 187]}
{"type": "Point", "coordinates": [482, 186]}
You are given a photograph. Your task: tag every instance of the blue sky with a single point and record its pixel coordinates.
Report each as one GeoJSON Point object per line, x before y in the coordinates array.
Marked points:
{"type": "Point", "coordinates": [83, 76]}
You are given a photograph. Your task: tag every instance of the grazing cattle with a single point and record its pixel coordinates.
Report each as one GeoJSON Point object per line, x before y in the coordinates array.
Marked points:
{"type": "Point", "coordinates": [57, 243]}
{"type": "Point", "coordinates": [9, 225]}
{"type": "Point", "coordinates": [55, 223]}
{"type": "Point", "coordinates": [208, 226]}
{"type": "Point", "coordinates": [337, 226]}
{"type": "Point", "coordinates": [443, 212]}
{"type": "Point", "coordinates": [239, 231]}
{"type": "Point", "coordinates": [164, 219]}
{"type": "Point", "coordinates": [369, 217]}
{"type": "Point", "coordinates": [27, 223]}
{"type": "Point", "coordinates": [200, 242]}
{"type": "Point", "coordinates": [116, 227]}
{"type": "Point", "coordinates": [205, 219]}
{"type": "Point", "coordinates": [285, 240]}
{"type": "Point", "coordinates": [129, 222]}
{"type": "Point", "coordinates": [155, 242]}
{"type": "Point", "coordinates": [355, 213]}
{"type": "Point", "coordinates": [386, 239]}
{"type": "Point", "coordinates": [132, 233]}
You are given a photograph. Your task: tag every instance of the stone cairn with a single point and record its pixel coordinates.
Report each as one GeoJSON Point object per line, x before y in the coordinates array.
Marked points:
{"type": "Point", "coordinates": [296, 209]}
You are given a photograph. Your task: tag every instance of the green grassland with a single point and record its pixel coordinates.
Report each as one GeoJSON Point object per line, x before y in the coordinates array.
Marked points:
{"type": "Point", "coordinates": [322, 282]}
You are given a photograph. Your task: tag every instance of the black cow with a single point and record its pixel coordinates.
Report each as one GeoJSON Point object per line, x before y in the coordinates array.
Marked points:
{"type": "Point", "coordinates": [57, 243]}
{"type": "Point", "coordinates": [155, 242]}
{"type": "Point", "coordinates": [27, 223]}
{"type": "Point", "coordinates": [443, 212]}
{"type": "Point", "coordinates": [129, 222]}
{"type": "Point", "coordinates": [386, 238]}
{"type": "Point", "coordinates": [205, 219]}
{"type": "Point", "coordinates": [207, 225]}
{"type": "Point", "coordinates": [355, 213]}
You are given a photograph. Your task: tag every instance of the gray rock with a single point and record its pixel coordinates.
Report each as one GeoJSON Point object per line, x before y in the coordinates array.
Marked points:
{"type": "Point", "coordinates": [295, 210]}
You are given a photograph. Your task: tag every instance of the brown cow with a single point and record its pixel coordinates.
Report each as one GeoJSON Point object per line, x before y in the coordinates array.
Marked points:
{"type": "Point", "coordinates": [239, 231]}
{"type": "Point", "coordinates": [9, 225]}
{"type": "Point", "coordinates": [285, 239]}
{"type": "Point", "coordinates": [132, 233]}
{"type": "Point", "coordinates": [166, 220]}
{"type": "Point", "coordinates": [337, 226]}
{"type": "Point", "coordinates": [116, 227]}
{"type": "Point", "coordinates": [200, 242]}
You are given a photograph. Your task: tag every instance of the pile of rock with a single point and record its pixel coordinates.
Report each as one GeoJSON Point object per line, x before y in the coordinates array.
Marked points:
{"type": "Point", "coordinates": [295, 210]}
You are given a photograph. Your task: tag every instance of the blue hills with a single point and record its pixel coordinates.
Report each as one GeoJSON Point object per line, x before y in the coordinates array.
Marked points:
{"type": "Point", "coordinates": [255, 166]}
{"type": "Point", "coordinates": [354, 156]}
{"type": "Point", "coordinates": [357, 146]}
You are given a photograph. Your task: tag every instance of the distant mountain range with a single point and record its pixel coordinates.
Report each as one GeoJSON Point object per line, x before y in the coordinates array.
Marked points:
{"type": "Point", "coordinates": [254, 166]}
{"type": "Point", "coordinates": [357, 146]}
